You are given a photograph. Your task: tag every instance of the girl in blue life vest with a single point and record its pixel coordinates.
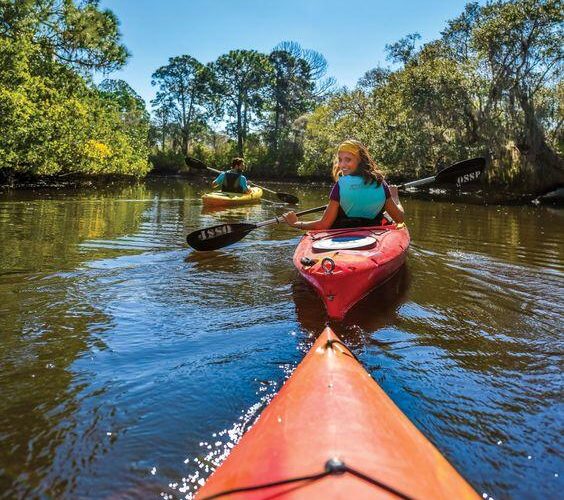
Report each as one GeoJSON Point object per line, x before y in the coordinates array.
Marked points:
{"type": "Point", "coordinates": [359, 196]}
{"type": "Point", "coordinates": [233, 181]}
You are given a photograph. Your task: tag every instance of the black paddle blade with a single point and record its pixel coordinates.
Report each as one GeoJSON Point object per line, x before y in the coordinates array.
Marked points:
{"type": "Point", "coordinates": [216, 237]}
{"type": "Point", "coordinates": [288, 198]}
{"type": "Point", "coordinates": [463, 172]}
{"type": "Point", "coordinates": [195, 163]}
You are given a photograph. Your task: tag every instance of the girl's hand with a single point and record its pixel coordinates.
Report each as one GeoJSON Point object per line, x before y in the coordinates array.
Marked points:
{"type": "Point", "coordinates": [291, 218]}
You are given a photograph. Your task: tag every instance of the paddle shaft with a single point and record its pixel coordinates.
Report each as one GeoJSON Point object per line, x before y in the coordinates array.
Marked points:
{"type": "Point", "coordinates": [463, 172]}
{"type": "Point", "coordinates": [420, 182]}
{"type": "Point", "coordinates": [278, 220]}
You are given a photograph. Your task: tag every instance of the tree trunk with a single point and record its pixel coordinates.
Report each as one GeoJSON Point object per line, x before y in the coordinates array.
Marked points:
{"type": "Point", "coordinates": [184, 141]}
{"type": "Point", "coordinates": [163, 134]}
{"type": "Point", "coordinates": [183, 117]}
{"type": "Point", "coordinates": [245, 124]}
{"type": "Point", "coordinates": [276, 127]}
{"type": "Point", "coordinates": [239, 130]}
{"type": "Point", "coordinates": [188, 122]}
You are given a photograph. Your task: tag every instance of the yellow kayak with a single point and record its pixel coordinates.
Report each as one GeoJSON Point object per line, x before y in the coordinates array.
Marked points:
{"type": "Point", "coordinates": [220, 199]}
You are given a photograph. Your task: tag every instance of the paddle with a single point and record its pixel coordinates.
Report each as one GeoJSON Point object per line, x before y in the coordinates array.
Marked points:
{"type": "Point", "coordinates": [222, 235]}
{"type": "Point", "coordinates": [460, 173]}
{"type": "Point", "coordinates": [285, 197]}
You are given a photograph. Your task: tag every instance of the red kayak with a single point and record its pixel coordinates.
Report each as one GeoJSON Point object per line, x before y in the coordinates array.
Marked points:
{"type": "Point", "coordinates": [332, 432]}
{"type": "Point", "coordinates": [344, 265]}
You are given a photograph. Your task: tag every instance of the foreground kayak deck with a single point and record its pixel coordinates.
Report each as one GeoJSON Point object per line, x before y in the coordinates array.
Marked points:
{"type": "Point", "coordinates": [343, 276]}
{"type": "Point", "coordinates": [331, 413]}
{"type": "Point", "coordinates": [219, 198]}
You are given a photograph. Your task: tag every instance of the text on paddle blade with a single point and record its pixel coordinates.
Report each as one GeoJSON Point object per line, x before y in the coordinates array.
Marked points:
{"type": "Point", "coordinates": [214, 232]}
{"type": "Point", "coordinates": [472, 176]}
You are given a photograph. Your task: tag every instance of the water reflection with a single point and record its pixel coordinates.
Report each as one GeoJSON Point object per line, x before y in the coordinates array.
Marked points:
{"type": "Point", "coordinates": [217, 261]}
{"type": "Point", "coordinates": [49, 319]}
{"type": "Point", "coordinates": [46, 324]}
{"type": "Point", "coordinates": [377, 310]}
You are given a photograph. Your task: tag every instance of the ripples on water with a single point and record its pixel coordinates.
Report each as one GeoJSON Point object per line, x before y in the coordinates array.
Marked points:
{"type": "Point", "coordinates": [131, 365]}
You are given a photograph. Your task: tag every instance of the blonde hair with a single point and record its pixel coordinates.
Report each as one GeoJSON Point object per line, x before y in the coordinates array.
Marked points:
{"type": "Point", "coordinates": [367, 167]}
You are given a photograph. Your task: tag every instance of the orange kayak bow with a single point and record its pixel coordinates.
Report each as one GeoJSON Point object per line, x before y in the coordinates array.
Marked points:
{"type": "Point", "coordinates": [331, 433]}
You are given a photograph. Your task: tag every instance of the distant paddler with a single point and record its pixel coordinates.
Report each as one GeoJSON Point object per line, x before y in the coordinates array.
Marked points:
{"type": "Point", "coordinates": [255, 191]}
{"type": "Point", "coordinates": [233, 180]}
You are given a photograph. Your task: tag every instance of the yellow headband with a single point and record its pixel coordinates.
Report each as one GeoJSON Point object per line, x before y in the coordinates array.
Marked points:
{"type": "Point", "coordinates": [349, 147]}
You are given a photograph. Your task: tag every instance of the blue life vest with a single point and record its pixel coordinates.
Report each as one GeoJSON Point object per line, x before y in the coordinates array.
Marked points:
{"type": "Point", "coordinates": [358, 199]}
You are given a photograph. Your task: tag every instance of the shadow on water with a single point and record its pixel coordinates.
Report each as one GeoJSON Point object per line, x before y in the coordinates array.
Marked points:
{"type": "Point", "coordinates": [377, 310]}
{"type": "Point", "coordinates": [216, 261]}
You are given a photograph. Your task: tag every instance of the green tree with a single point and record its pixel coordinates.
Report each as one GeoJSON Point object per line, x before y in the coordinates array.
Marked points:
{"type": "Point", "coordinates": [132, 110]}
{"type": "Point", "coordinates": [242, 78]}
{"type": "Point", "coordinates": [53, 120]}
{"type": "Point", "coordinates": [516, 52]}
{"type": "Point", "coordinates": [163, 120]}
{"type": "Point", "coordinates": [373, 78]}
{"type": "Point", "coordinates": [404, 49]}
{"type": "Point", "coordinates": [128, 101]}
{"type": "Point", "coordinates": [298, 82]}
{"type": "Point", "coordinates": [79, 35]}
{"type": "Point", "coordinates": [183, 90]}
{"type": "Point", "coordinates": [412, 119]}
{"type": "Point", "coordinates": [491, 85]}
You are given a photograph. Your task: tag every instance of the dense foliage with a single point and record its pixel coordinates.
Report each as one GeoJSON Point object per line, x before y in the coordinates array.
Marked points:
{"type": "Point", "coordinates": [54, 121]}
{"type": "Point", "coordinates": [491, 85]}
{"type": "Point", "coordinates": [259, 100]}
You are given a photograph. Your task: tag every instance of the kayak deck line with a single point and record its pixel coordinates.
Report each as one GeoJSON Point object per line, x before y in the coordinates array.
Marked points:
{"type": "Point", "coordinates": [333, 466]}
{"type": "Point", "coordinates": [331, 411]}
{"type": "Point", "coordinates": [318, 234]}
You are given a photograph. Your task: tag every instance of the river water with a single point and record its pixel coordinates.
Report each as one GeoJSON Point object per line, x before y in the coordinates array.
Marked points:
{"type": "Point", "coordinates": [130, 364]}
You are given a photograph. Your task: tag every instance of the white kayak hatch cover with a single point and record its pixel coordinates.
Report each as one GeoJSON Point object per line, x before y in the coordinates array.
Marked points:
{"type": "Point", "coordinates": [344, 242]}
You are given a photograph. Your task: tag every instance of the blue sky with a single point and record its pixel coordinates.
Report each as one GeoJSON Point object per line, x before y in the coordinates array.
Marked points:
{"type": "Point", "coordinates": [351, 34]}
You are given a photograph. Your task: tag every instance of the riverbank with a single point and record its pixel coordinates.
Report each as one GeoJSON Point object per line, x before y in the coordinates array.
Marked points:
{"type": "Point", "coordinates": [475, 196]}
{"type": "Point", "coordinates": [29, 182]}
